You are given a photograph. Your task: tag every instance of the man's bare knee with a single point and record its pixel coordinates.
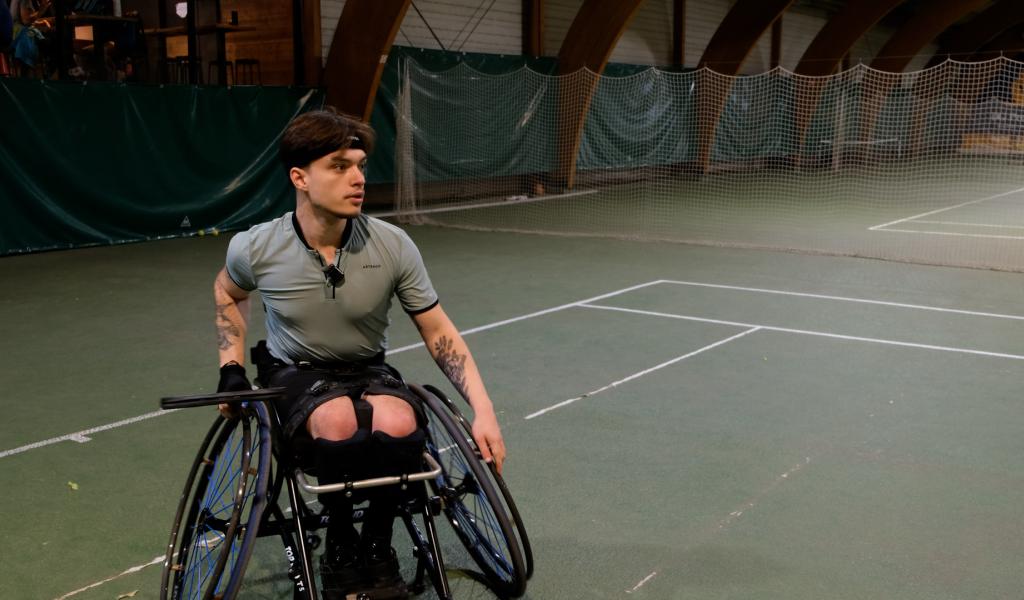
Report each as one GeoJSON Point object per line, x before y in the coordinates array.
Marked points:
{"type": "Point", "coordinates": [393, 416]}
{"type": "Point", "coordinates": [334, 420]}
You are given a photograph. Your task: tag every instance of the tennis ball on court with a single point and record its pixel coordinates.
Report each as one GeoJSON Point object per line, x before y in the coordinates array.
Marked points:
{"type": "Point", "coordinates": [216, 231]}
{"type": "Point", "coordinates": [201, 233]}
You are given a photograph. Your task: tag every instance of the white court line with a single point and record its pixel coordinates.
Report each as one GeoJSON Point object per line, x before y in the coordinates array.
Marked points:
{"type": "Point", "coordinates": [837, 336]}
{"type": "Point", "coordinates": [959, 223]}
{"type": "Point", "coordinates": [950, 233]}
{"type": "Point", "coordinates": [82, 436]}
{"type": "Point", "coordinates": [933, 212]}
{"type": "Point", "coordinates": [957, 311]}
{"type": "Point", "coordinates": [538, 313]}
{"type": "Point", "coordinates": [751, 503]}
{"type": "Point", "coordinates": [128, 571]}
{"type": "Point", "coordinates": [639, 373]}
{"type": "Point", "coordinates": [642, 582]}
{"type": "Point", "coordinates": [505, 202]}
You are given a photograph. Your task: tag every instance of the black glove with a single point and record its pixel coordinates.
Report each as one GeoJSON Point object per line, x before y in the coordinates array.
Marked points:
{"type": "Point", "coordinates": [233, 379]}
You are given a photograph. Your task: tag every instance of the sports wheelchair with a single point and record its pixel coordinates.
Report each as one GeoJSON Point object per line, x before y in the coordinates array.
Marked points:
{"type": "Point", "coordinates": [243, 471]}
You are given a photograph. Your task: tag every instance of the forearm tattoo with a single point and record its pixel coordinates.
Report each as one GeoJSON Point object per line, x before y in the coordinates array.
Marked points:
{"type": "Point", "coordinates": [227, 332]}
{"type": "Point", "coordinates": [452, 363]}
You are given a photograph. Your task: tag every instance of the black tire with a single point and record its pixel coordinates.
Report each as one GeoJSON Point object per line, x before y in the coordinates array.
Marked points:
{"type": "Point", "coordinates": [215, 526]}
{"type": "Point", "coordinates": [476, 503]}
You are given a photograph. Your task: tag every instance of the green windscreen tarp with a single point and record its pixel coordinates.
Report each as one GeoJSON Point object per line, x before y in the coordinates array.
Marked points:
{"type": "Point", "coordinates": [92, 164]}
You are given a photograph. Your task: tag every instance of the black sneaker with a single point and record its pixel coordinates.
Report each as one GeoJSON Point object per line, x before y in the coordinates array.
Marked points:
{"type": "Point", "coordinates": [380, 570]}
{"type": "Point", "coordinates": [340, 572]}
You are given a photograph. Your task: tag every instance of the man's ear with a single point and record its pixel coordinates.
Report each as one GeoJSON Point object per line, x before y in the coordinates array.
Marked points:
{"type": "Point", "coordinates": [298, 177]}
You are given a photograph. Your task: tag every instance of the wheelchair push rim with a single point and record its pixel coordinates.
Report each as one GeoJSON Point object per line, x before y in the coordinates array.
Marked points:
{"type": "Point", "coordinates": [497, 479]}
{"type": "Point", "coordinates": [216, 523]}
{"type": "Point", "coordinates": [476, 509]}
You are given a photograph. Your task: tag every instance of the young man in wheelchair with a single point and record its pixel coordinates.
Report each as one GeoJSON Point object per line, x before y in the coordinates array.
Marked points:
{"type": "Point", "coordinates": [326, 274]}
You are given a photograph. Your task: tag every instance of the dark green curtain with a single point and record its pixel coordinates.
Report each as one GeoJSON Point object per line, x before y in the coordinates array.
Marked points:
{"type": "Point", "coordinates": [96, 163]}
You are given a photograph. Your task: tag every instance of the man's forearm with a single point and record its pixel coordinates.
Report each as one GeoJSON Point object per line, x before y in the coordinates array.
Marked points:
{"type": "Point", "coordinates": [231, 322]}
{"type": "Point", "coordinates": [454, 359]}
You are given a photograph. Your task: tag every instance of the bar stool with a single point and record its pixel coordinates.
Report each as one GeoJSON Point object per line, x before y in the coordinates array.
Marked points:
{"type": "Point", "coordinates": [214, 66]}
{"type": "Point", "coordinates": [183, 66]}
{"type": "Point", "coordinates": [248, 71]}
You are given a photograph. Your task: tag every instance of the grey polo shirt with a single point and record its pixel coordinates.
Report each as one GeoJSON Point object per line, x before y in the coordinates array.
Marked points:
{"type": "Point", "coordinates": [308, 317]}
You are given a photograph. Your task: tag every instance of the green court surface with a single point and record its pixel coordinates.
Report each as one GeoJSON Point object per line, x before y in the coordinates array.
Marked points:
{"type": "Point", "coordinates": [683, 421]}
{"type": "Point", "coordinates": [953, 212]}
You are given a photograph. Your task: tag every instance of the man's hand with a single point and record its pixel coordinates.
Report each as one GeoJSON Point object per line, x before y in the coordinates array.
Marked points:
{"type": "Point", "coordinates": [488, 438]}
{"type": "Point", "coordinates": [232, 379]}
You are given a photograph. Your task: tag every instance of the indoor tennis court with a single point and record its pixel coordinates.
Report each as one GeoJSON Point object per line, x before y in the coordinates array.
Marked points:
{"type": "Point", "coordinates": [683, 421]}
{"type": "Point", "coordinates": [749, 335]}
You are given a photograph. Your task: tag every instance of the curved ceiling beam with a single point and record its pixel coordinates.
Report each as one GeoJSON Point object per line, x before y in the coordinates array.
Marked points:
{"type": "Point", "coordinates": [593, 34]}
{"type": "Point", "coordinates": [733, 40]}
{"type": "Point", "coordinates": [840, 33]}
{"type": "Point", "coordinates": [359, 49]}
{"type": "Point", "coordinates": [983, 28]}
{"type": "Point", "coordinates": [923, 27]}
{"type": "Point", "coordinates": [1009, 43]}
{"type": "Point", "coordinates": [740, 29]}
{"type": "Point", "coordinates": [589, 43]}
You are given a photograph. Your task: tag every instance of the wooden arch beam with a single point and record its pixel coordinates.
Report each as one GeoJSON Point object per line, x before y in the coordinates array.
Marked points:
{"type": "Point", "coordinates": [966, 40]}
{"type": "Point", "coordinates": [923, 27]}
{"type": "Point", "coordinates": [840, 33]}
{"type": "Point", "coordinates": [739, 32]}
{"type": "Point", "coordinates": [593, 34]}
{"type": "Point", "coordinates": [533, 27]}
{"type": "Point", "coordinates": [825, 53]}
{"type": "Point", "coordinates": [358, 52]}
{"type": "Point", "coordinates": [588, 44]}
{"type": "Point", "coordinates": [1008, 43]}
{"type": "Point", "coordinates": [732, 42]}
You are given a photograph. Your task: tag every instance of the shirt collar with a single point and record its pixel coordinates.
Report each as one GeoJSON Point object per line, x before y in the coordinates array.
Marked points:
{"type": "Point", "coordinates": [345, 235]}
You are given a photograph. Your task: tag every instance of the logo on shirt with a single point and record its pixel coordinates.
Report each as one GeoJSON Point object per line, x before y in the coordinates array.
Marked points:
{"type": "Point", "coordinates": [371, 266]}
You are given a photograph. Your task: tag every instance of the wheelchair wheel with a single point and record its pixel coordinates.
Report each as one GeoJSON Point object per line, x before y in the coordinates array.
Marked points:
{"type": "Point", "coordinates": [506, 495]}
{"type": "Point", "coordinates": [476, 501]}
{"type": "Point", "coordinates": [216, 523]}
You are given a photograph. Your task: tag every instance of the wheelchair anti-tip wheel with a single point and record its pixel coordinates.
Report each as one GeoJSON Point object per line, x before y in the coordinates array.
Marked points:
{"type": "Point", "coordinates": [475, 499]}
{"type": "Point", "coordinates": [216, 523]}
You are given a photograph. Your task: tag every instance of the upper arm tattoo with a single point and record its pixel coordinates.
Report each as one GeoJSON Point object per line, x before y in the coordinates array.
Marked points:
{"type": "Point", "coordinates": [451, 362]}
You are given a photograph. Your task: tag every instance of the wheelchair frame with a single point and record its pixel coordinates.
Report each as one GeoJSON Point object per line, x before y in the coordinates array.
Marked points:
{"type": "Point", "coordinates": [233, 491]}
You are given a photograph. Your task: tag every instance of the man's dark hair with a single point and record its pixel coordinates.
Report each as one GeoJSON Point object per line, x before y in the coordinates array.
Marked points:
{"type": "Point", "coordinates": [318, 133]}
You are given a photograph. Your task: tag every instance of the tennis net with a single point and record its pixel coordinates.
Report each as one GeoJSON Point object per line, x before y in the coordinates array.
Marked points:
{"type": "Point", "coordinates": [923, 167]}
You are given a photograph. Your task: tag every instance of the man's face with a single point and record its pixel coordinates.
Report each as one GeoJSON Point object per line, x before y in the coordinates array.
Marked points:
{"type": "Point", "coordinates": [337, 182]}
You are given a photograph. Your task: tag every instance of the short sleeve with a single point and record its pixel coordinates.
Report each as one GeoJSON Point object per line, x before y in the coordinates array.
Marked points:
{"type": "Point", "coordinates": [414, 290]}
{"type": "Point", "coordinates": [239, 264]}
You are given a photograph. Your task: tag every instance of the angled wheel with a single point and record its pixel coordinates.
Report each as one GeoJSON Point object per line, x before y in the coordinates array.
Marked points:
{"type": "Point", "coordinates": [216, 523]}
{"type": "Point", "coordinates": [476, 502]}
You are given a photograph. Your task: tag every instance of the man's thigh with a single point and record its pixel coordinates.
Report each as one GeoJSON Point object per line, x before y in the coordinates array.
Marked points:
{"type": "Point", "coordinates": [339, 399]}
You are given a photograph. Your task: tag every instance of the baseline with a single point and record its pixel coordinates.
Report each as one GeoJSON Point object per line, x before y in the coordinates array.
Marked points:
{"type": "Point", "coordinates": [885, 226]}
{"type": "Point", "coordinates": [508, 201]}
